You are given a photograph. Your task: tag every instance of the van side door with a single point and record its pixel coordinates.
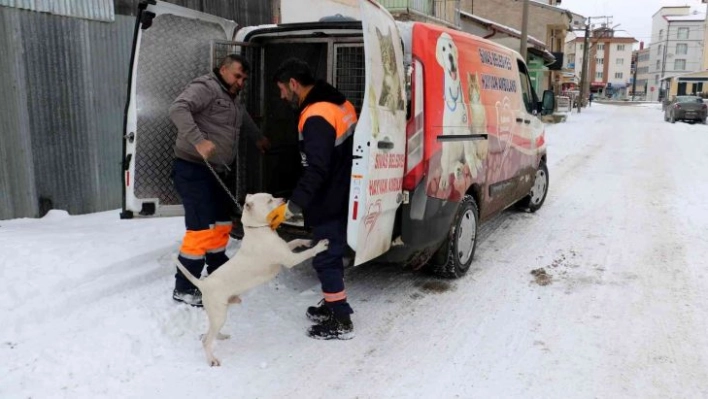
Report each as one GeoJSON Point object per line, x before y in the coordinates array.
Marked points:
{"type": "Point", "coordinates": [171, 46]}
{"type": "Point", "coordinates": [379, 138]}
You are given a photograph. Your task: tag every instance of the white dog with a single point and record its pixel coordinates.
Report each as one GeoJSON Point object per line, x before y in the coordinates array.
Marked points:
{"type": "Point", "coordinates": [455, 154]}
{"type": "Point", "coordinates": [259, 260]}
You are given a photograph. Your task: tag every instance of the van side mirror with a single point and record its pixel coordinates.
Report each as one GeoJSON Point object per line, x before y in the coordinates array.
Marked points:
{"type": "Point", "coordinates": [548, 103]}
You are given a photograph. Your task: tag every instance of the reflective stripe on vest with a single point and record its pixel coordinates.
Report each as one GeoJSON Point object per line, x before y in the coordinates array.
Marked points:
{"type": "Point", "coordinates": [341, 117]}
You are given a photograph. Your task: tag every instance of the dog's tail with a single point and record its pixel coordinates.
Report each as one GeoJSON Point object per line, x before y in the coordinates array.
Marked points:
{"type": "Point", "coordinates": [197, 282]}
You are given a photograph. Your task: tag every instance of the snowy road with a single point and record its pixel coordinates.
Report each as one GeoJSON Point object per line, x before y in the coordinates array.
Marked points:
{"type": "Point", "coordinates": [87, 313]}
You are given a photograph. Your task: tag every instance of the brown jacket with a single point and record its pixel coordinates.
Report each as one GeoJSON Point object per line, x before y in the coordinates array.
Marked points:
{"type": "Point", "coordinates": [206, 110]}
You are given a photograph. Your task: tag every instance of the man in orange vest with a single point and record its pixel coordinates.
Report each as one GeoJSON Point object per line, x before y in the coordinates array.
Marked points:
{"type": "Point", "coordinates": [326, 128]}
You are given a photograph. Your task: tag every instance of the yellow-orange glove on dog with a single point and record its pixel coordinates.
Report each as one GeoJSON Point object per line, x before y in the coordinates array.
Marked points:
{"type": "Point", "coordinates": [281, 214]}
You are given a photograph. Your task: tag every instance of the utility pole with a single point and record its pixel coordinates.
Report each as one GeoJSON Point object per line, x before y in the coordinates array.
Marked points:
{"type": "Point", "coordinates": [523, 49]}
{"type": "Point", "coordinates": [634, 77]}
{"type": "Point", "coordinates": [584, 71]}
{"type": "Point", "coordinates": [584, 78]}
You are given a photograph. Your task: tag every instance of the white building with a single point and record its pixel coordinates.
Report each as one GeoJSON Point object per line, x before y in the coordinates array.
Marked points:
{"type": "Point", "coordinates": [677, 45]}
{"type": "Point", "coordinates": [610, 55]}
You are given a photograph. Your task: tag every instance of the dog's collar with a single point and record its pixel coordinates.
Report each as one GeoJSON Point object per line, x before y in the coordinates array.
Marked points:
{"type": "Point", "coordinates": [256, 227]}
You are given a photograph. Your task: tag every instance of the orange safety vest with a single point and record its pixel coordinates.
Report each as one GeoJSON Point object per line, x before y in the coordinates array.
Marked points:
{"type": "Point", "coordinates": [341, 117]}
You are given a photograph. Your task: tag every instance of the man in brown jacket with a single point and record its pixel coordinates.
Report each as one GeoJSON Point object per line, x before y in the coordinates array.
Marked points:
{"type": "Point", "coordinates": [209, 119]}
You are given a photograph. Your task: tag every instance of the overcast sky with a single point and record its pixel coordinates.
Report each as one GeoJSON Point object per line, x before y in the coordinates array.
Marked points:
{"type": "Point", "coordinates": [634, 15]}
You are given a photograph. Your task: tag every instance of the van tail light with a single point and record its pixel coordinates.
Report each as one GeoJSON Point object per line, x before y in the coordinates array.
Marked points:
{"type": "Point", "coordinates": [677, 106]}
{"type": "Point", "coordinates": [704, 106]}
{"type": "Point", "coordinates": [415, 132]}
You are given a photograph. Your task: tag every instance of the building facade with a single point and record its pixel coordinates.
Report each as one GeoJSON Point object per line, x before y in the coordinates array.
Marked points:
{"type": "Point", "coordinates": [610, 60]}
{"type": "Point", "coordinates": [676, 48]}
{"type": "Point", "coordinates": [547, 23]}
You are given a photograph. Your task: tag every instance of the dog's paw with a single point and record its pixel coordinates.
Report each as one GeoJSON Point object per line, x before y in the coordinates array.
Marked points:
{"type": "Point", "coordinates": [214, 362]}
{"type": "Point", "coordinates": [222, 337]}
{"type": "Point", "coordinates": [322, 246]}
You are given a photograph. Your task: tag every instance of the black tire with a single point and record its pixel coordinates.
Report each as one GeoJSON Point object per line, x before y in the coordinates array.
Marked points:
{"type": "Point", "coordinates": [673, 118]}
{"type": "Point", "coordinates": [450, 261]}
{"type": "Point", "coordinates": [537, 196]}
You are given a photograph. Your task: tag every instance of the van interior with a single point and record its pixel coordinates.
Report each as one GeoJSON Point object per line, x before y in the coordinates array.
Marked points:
{"type": "Point", "coordinates": [336, 58]}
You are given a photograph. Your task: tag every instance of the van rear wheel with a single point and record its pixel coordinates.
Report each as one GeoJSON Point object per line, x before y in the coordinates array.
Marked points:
{"type": "Point", "coordinates": [454, 257]}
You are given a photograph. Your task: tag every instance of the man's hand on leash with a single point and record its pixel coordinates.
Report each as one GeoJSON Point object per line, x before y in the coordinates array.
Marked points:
{"type": "Point", "coordinates": [205, 148]}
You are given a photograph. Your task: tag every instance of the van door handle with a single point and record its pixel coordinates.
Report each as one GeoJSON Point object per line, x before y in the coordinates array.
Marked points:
{"type": "Point", "coordinates": [385, 145]}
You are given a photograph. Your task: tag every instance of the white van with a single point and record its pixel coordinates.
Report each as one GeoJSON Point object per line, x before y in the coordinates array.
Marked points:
{"type": "Point", "coordinates": [448, 133]}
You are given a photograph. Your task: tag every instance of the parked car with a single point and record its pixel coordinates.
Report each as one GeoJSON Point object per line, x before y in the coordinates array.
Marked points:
{"type": "Point", "coordinates": [686, 108]}
{"type": "Point", "coordinates": [449, 131]}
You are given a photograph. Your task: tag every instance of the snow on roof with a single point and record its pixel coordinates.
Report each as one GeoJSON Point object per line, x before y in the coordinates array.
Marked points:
{"type": "Point", "coordinates": [693, 17]}
{"type": "Point", "coordinates": [506, 29]}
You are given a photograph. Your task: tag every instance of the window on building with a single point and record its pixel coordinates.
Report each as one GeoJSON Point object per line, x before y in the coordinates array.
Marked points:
{"type": "Point", "coordinates": [581, 46]}
{"type": "Point", "coordinates": [656, 79]}
{"type": "Point", "coordinates": [600, 61]}
{"type": "Point", "coordinates": [681, 49]}
{"type": "Point", "coordinates": [680, 65]}
{"type": "Point", "coordinates": [620, 47]}
{"type": "Point", "coordinates": [658, 64]}
{"type": "Point", "coordinates": [658, 51]}
{"type": "Point", "coordinates": [661, 34]}
{"type": "Point", "coordinates": [618, 75]}
{"type": "Point", "coordinates": [683, 33]}
{"type": "Point", "coordinates": [619, 61]}
{"type": "Point", "coordinates": [601, 47]}
{"type": "Point", "coordinates": [598, 75]}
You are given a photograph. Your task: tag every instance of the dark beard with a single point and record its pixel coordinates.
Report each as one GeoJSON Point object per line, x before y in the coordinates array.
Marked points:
{"type": "Point", "coordinates": [294, 101]}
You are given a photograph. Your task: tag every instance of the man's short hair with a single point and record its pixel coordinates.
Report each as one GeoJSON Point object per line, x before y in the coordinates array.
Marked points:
{"type": "Point", "coordinates": [231, 58]}
{"type": "Point", "coordinates": [294, 68]}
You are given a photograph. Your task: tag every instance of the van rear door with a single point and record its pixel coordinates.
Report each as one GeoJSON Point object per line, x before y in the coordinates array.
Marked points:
{"type": "Point", "coordinates": [171, 46]}
{"type": "Point", "coordinates": [379, 139]}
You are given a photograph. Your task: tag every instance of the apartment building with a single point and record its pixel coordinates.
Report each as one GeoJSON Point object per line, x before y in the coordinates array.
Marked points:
{"type": "Point", "coordinates": [677, 46]}
{"type": "Point", "coordinates": [610, 56]}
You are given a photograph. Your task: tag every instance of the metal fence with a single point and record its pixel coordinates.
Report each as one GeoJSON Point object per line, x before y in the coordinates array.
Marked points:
{"type": "Point", "coordinates": [63, 85]}
{"type": "Point", "coordinates": [62, 94]}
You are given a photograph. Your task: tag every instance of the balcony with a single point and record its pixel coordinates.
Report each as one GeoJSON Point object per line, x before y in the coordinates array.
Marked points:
{"type": "Point", "coordinates": [440, 11]}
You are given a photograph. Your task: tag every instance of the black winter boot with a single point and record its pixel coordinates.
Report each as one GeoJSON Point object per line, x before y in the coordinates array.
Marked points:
{"type": "Point", "coordinates": [334, 327]}
{"type": "Point", "coordinates": [190, 296]}
{"type": "Point", "coordinates": [319, 313]}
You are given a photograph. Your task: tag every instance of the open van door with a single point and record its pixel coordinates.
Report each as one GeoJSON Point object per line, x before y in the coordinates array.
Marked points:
{"type": "Point", "coordinates": [379, 138]}
{"type": "Point", "coordinates": [171, 46]}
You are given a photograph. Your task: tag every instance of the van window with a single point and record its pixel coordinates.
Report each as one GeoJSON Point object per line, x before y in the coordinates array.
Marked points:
{"type": "Point", "coordinates": [525, 87]}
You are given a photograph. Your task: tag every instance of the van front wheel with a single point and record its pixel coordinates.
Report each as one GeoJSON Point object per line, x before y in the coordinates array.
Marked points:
{"type": "Point", "coordinates": [537, 195]}
{"type": "Point", "coordinates": [454, 257]}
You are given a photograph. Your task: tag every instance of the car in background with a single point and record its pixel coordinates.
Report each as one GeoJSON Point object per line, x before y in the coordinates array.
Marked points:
{"type": "Point", "coordinates": [686, 108]}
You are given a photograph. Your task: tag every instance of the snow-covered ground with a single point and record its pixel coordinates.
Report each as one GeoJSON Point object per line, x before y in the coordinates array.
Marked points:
{"type": "Point", "coordinates": [86, 309]}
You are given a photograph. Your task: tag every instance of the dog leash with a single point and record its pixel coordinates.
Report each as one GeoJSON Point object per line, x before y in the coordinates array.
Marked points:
{"type": "Point", "coordinates": [223, 185]}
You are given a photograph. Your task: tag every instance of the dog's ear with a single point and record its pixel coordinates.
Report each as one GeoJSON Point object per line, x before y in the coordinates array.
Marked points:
{"type": "Point", "coordinates": [248, 205]}
{"type": "Point", "coordinates": [248, 197]}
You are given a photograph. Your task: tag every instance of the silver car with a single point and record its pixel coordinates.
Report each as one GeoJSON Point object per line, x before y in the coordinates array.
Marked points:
{"type": "Point", "coordinates": [686, 108]}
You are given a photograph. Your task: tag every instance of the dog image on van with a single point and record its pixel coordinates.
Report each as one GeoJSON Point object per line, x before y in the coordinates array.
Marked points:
{"type": "Point", "coordinates": [260, 259]}
{"type": "Point", "coordinates": [455, 154]}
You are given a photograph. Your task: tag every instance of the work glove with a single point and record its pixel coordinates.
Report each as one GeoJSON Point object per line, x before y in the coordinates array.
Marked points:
{"type": "Point", "coordinates": [282, 213]}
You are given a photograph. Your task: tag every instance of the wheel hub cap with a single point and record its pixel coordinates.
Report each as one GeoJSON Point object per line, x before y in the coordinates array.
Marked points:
{"type": "Point", "coordinates": [466, 237]}
{"type": "Point", "coordinates": [539, 187]}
